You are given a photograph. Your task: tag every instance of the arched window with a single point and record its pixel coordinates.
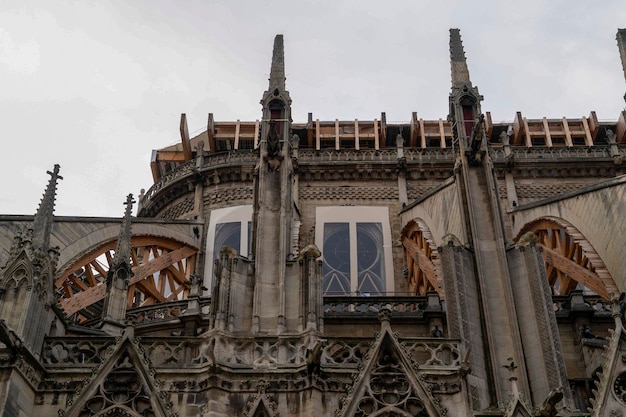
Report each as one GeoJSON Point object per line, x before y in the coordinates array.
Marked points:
{"type": "Point", "coordinates": [356, 247]}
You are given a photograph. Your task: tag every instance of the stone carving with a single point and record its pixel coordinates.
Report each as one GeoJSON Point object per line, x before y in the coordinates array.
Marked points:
{"type": "Point", "coordinates": [273, 140]}
{"type": "Point", "coordinates": [389, 391]}
{"type": "Point", "coordinates": [344, 353]}
{"type": "Point", "coordinates": [75, 352]}
{"type": "Point", "coordinates": [119, 392]}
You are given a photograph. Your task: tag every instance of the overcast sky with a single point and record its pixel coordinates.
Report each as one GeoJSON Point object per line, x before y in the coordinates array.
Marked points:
{"type": "Point", "coordinates": [95, 86]}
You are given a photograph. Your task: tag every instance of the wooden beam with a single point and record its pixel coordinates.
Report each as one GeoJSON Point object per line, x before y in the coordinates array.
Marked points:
{"type": "Point", "coordinates": [130, 295]}
{"type": "Point", "coordinates": [568, 134]}
{"type": "Point", "coordinates": [149, 288]}
{"type": "Point", "coordinates": [210, 131]}
{"type": "Point", "coordinates": [256, 133]}
{"type": "Point", "coordinates": [425, 265]}
{"type": "Point", "coordinates": [529, 142]}
{"type": "Point", "coordinates": [98, 268]}
{"type": "Point", "coordinates": [93, 294]}
{"type": "Point", "coordinates": [576, 272]}
{"type": "Point", "coordinates": [237, 131]}
{"type": "Point", "coordinates": [317, 135]}
{"type": "Point", "coordinates": [546, 130]}
{"type": "Point", "coordinates": [588, 139]}
{"type": "Point", "coordinates": [137, 241]}
{"type": "Point", "coordinates": [184, 137]}
{"type": "Point", "coordinates": [442, 134]}
{"type": "Point", "coordinates": [594, 125]}
{"type": "Point", "coordinates": [376, 139]}
{"type": "Point", "coordinates": [488, 125]}
{"type": "Point", "coordinates": [154, 166]}
{"type": "Point", "coordinates": [170, 156]}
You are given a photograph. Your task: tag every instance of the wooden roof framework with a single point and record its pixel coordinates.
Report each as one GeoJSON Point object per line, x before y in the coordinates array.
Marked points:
{"type": "Point", "coordinates": [571, 262]}
{"type": "Point", "coordinates": [422, 259]}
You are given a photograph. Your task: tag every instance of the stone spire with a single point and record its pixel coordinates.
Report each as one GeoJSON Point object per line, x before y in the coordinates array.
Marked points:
{"type": "Point", "coordinates": [42, 224]}
{"type": "Point", "coordinates": [458, 63]}
{"type": "Point", "coordinates": [118, 278]}
{"type": "Point", "coordinates": [277, 72]}
{"type": "Point", "coordinates": [464, 99]}
{"type": "Point", "coordinates": [621, 45]}
{"type": "Point", "coordinates": [122, 250]}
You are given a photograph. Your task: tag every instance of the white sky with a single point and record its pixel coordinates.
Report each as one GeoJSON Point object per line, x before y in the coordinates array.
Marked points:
{"type": "Point", "coordinates": [95, 86]}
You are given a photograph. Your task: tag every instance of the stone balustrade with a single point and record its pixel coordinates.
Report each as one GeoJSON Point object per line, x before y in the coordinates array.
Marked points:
{"type": "Point", "coordinates": [369, 306]}
{"type": "Point", "coordinates": [556, 153]}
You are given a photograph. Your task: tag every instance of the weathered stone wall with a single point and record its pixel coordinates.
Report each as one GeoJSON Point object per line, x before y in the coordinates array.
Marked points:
{"type": "Point", "coordinates": [440, 210]}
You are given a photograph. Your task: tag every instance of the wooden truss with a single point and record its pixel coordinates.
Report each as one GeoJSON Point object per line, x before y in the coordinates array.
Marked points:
{"type": "Point", "coordinates": [571, 260]}
{"type": "Point", "coordinates": [161, 267]}
{"type": "Point", "coordinates": [422, 260]}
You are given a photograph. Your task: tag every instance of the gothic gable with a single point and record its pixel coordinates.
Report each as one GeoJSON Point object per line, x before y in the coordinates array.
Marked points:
{"type": "Point", "coordinates": [15, 271]}
{"type": "Point", "coordinates": [261, 405]}
{"type": "Point", "coordinates": [122, 385]}
{"type": "Point", "coordinates": [388, 385]}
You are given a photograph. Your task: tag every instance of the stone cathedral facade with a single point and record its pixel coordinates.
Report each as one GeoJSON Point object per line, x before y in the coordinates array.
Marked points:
{"type": "Point", "coordinates": [451, 267]}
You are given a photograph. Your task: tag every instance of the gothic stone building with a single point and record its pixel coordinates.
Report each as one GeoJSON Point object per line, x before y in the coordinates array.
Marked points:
{"type": "Point", "coordinates": [451, 267]}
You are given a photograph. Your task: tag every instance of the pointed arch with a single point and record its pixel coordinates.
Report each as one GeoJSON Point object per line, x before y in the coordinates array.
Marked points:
{"type": "Point", "coordinates": [570, 259]}
{"type": "Point", "coordinates": [422, 259]}
{"type": "Point", "coordinates": [16, 286]}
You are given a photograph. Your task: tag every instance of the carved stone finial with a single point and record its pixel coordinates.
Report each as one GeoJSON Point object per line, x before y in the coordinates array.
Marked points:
{"type": "Point", "coordinates": [384, 315]}
{"type": "Point", "coordinates": [610, 137]}
{"type": "Point", "coordinates": [277, 72]}
{"type": "Point", "coordinates": [621, 45]}
{"type": "Point", "coordinates": [310, 251]}
{"type": "Point", "coordinates": [273, 139]}
{"type": "Point", "coordinates": [42, 224]}
{"type": "Point", "coordinates": [458, 63]}
{"type": "Point", "coordinates": [399, 141]}
{"type": "Point", "coordinates": [122, 250]}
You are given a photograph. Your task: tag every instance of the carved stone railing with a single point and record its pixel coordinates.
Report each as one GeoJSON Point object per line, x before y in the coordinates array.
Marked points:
{"type": "Point", "coordinates": [235, 352]}
{"type": "Point", "coordinates": [565, 305]}
{"type": "Point", "coordinates": [430, 154]}
{"type": "Point", "coordinates": [211, 161]}
{"type": "Point", "coordinates": [368, 306]}
{"type": "Point", "coordinates": [425, 352]}
{"type": "Point", "coordinates": [308, 156]}
{"type": "Point", "coordinates": [172, 176]}
{"type": "Point", "coordinates": [248, 156]}
{"type": "Point", "coordinates": [163, 311]}
{"type": "Point", "coordinates": [75, 351]}
{"type": "Point", "coordinates": [555, 153]}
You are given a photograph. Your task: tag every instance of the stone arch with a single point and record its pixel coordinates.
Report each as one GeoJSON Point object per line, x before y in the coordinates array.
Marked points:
{"type": "Point", "coordinates": [422, 258]}
{"type": "Point", "coordinates": [110, 232]}
{"type": "Point", "coordinates": [596, 212]}
{"type": "Point", "coordinates": [571, 260]}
